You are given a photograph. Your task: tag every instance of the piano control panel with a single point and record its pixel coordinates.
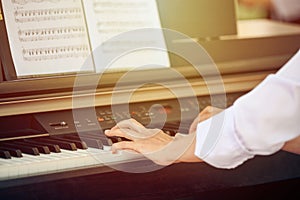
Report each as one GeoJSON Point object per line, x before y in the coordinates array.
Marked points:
{"type": "Point", "coordinates": [154, 114]}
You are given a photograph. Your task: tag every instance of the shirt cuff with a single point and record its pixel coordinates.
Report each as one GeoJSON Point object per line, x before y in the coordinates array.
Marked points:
{"type": "Point", "coordinates": [218, 144]}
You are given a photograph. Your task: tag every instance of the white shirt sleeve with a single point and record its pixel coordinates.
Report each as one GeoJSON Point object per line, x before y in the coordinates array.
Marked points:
{"type": "Point", "coordinates": [258, 123]}
{"type": "Point", "coordinates": [287, 10]}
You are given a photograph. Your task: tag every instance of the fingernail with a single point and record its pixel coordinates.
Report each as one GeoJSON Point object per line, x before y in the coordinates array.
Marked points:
{"type": "Point", "coordinates": [113, 150]}
{"type": "Point", "coordinates": [106, 131]}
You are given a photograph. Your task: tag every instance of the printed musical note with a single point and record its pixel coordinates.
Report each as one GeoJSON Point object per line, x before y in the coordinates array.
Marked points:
{"type": "Point", "coordinates": [61, 52]}
{"type": "Point", "coordinates": [130, 15]}
{"type": "Point", "coordinates": [120, 4]}
{"type": "Point", "coordinates": [51, 33]}
{"type": "Point", "coordinates": [107, 19]}
{"type": "Point", "coordinates": [22, 16]}
{"type": "Point", "coordinates": [23, 2]}
{"type": "Point", "coordinates": [57, 36]}
{"type": "Point", "coordinates": [47, 36]}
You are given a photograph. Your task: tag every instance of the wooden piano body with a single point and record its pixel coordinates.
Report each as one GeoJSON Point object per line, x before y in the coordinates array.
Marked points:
{"type": "Point", "coordinates": [259, 48]}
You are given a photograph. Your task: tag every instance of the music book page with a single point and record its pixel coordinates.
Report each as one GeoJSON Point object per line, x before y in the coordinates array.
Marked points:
{"type": "Point", "coordinates": [46, 36]}
{"type": "Point", "coordinates": [50, 37]}
{"type": "Point", "coordinates": [108, 19]}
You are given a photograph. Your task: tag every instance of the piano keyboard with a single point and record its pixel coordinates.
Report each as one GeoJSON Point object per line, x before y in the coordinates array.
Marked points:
{"type": "Point", "coordinates": [29, 157]}
{"type": "Point", "coordinates": [50, 154]}
{"type": "Point", "coordinates": [30, 165]}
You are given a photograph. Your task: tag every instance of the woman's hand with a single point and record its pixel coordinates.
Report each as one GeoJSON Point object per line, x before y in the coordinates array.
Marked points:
{"type": "Point", "coordinates": [206, 113]}
{"type": "Point", "coordinates": [143, 140]}
{"type": "Point", "coordinates": [154, 143]}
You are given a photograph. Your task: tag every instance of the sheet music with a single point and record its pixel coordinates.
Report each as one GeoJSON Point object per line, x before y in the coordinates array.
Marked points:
{"type": "Point", "coordinates": [106, 19]}
{"type": "Point", "coordinates": [47, 36]}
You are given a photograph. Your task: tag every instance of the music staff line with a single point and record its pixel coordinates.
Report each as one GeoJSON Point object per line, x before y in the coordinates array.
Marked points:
{"type": "Point", "coordinates": [23, 2]}
{"type": "Point", "coordinates": [40, 54]}
{"type": "Point", "coordinates": [119, 4]}
{"type": "Point", "coordinates": [100, 10]}
{"type": "Point", "coordinates": [51, 33]}
{"type": "Point", "coordinates": [122, 24]}
{"type": "Point", "coordinates": [47, 14]}
{"type": "Point", "coordinates": [124, 46]}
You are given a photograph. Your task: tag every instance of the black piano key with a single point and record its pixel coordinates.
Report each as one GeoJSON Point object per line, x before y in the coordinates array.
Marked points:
{"type": "Point", "coordinates": [5, 154]}
{"type": "Point", "coordinates": [28, 150]}
{"type": "Point", "coordinates": [41, 148]}
{"type": "Point", "coordinates": [105, 140]}
{"type": "Point", "coordinates": [62, 144]}
{"type": "Point", "coordinates": [170, 132]}
{"type": "Point", "coordinates": [115, 139]}
{"type": "Point", "coordinates": [79, 144]}
{"type": "Point", "coordinates": [93, 143]}
{"type": "Point", "coordinates": [13, 152]}
{"type": "Point", "coordinates": [173, 127]}
{"type": "Point", "coordinates": [52, 147]}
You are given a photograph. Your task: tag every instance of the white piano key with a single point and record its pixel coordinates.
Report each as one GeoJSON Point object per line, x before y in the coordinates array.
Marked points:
{"type": "Point", "coordinates": [9, 169]}
{"type": "Point", "coordinates": [30, 165]}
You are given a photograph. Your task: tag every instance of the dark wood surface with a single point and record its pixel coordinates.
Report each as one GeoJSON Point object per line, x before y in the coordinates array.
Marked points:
{"type": "Point", "coordinates": [260, 178]}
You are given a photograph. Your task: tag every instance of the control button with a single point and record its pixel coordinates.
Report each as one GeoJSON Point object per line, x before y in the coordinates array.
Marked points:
{"type": "Point", "coordinates": [108, 112]}
{"type": "Point", "coordinates": [150, 114]}
{"type": "Point", "coordinates": [88, 120]}
{"type": "Point", "coordinates": [101, 119]}
{"type": "Point", "coordinates": [62, 123]}
{"type": "Point", "coordinates": [107, 118]}
{"type": "Point", "coordinates": [102, 113]}
{"type": "Point", "coordinates": [113, 117]}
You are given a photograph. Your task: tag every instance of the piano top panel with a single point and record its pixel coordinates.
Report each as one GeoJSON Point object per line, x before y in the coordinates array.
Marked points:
{"type": "Point", "coordinates": [45, 103]}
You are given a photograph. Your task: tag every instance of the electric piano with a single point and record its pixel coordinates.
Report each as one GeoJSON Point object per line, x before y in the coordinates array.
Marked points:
{"type": "Point", "coordinates": [44, 154]}
{"type": "Point", "coordinates": [52, 142]}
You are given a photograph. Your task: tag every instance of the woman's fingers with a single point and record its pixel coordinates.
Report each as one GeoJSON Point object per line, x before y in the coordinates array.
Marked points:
{"type": "Point", "coordinates": [118, 133]}
{"type": "Point", "coordinates": [125, 129]}
{"type": "Point", "coordinates": [154, 145]}
{"type": "Point", "coordinates": [132, 130]}
{"type": "Point", "coordinates": [126, 145]}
